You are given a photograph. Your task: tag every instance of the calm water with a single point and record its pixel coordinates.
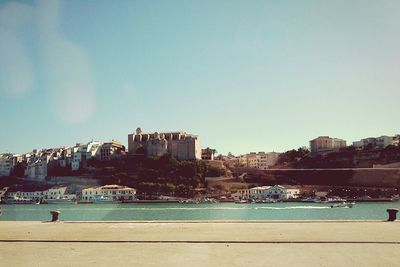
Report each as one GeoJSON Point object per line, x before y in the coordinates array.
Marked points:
{"type": "Point", "coordinates": [220, 211]}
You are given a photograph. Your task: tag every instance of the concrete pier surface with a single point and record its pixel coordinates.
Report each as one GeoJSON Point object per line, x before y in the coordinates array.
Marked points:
{"type": "Point", "coordinates": [250, 243]}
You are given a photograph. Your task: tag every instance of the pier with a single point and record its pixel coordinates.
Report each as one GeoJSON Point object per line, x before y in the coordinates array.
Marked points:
{"type": "Point", "coordinates": [199, 243]}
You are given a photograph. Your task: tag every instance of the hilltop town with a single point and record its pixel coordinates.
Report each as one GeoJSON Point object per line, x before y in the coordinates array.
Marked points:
{"type": "Point", "coordinates": [174, 164]}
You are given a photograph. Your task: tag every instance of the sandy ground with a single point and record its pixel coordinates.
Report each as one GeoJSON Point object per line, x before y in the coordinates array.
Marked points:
{"type": "Point", "coordinates": [334, 243]}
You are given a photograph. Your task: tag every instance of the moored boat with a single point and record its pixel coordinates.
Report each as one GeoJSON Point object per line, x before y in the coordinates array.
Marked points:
{"type": "Point", "coordinates": [20, 200]}
{"type": "Point", "coordinates": [61, 200]}
{"type": "Point", "coordinates": [343, 205]}
{"type": "Point", "coordinates": [243, 201]}
{"type": "Point", "coordinates": [311, 200]}
{"type": "Point", "coordinates": [104, 200]}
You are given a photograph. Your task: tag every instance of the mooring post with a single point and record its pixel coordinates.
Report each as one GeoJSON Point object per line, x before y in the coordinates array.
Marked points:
{"type": "Point", "coordinates": [54, 215]}
{"type": "Point", "coordinates": [392, 214]}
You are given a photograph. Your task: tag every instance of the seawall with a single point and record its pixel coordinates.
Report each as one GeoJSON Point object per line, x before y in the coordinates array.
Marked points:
{"type": "Point", "coordinates": [355, 177]}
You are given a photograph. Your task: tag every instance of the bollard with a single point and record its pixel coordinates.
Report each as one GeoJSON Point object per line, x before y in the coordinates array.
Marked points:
{"type": "Point", "coordinates": [54, 215]}
{"type": "Point", "coordinates": [392, 214]}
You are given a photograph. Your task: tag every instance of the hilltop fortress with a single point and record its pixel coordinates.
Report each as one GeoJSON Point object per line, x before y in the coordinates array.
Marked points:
{"type": "Point", "coordinates": [180, 145]}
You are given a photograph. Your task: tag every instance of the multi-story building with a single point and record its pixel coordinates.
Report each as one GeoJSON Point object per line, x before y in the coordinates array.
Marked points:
{"type": "Point", "coordinates": [277, 192]}
{"type": "Point", "coordinates": [83, 152]}
{"type": "Point", "coordinates": [6, 164]}
{"type": "Point", "coordinates": [52, 193]}
{"type": "Point", "coordinates": [260, 160]}
{"type": "Point", "coordinates": [207, 154]}
{"type": "Point", "coordinates": [326, 144]}
{"type": "Point", "coordinates": [112, 192]}
{"type": "Point", "coordinates": [180, 145]}
{"type": "Point", "coordinates": [39, 162]}
{"type": "Point", "coordinates": [111, 150]}
{"type": "Point", "coordinates": [36, 169]}
{"type": "Point", "coordinates": [76, 157]}
{"type": "Point", "coordinates": [65, 157]}
{"type": "Point", "coordinates": [376, 142]}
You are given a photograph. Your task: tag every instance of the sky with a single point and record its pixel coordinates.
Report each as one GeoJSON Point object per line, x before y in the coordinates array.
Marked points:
{"type": "Point", "coordinates": [243, 75]}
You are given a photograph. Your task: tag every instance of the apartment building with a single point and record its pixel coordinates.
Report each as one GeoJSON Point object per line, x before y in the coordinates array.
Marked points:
{"type": "Point", "coordinates": [377, 142]}
{"type": "Point", "coordinates": [326, 144]}
{"type": "Point", "coordinates": [112, 192]}
{"type": "Point", "coordinates": [277, 192]}
{"type": "Point", "coordinates": [260, 160]}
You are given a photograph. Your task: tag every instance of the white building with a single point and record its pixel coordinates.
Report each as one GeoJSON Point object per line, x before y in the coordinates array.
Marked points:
{"type": "Point", "coordinates": [6, 164]}
{"type": "Point", "coordinates": [326, 144]}
{"type": "Point", "coordinates": [83, 152]}
{"type": "Point", "coordinates": [36, 169]}
{"type": "Point", "coordinates": [55, 192]}
{"type": "Point", "coordinates": [39, 162]}
{"type": "Point", "coordinates": [76, 157]}
{"type": "Point", "coordinates": [52, 193]}
{"type": "Point", "coordinates": [277, 192]}
{"type": "Point", "coordinates": [66, 157]}
{"type": "Point", "coordinates": [260, 160]}
{"type": "Point", "coordinates": [113, 192]}
{"type": "Point", "coordinates": [376, 142]}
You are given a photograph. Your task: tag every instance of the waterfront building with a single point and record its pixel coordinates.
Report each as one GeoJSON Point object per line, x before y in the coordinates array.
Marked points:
{"type": "Point", "coordinates": [55, 192]}
{"type": "Point", "coordinates": [112, 192]}
{"type": "Point", "coordinates": [33, 195]}
{"type": "Point", "coordinates": [376, 142]}
{"type": "Point", "coordinates": [52, 193]}
{"type": "Point", "coordinates": [276, 192]}
{"type": "Point", "coordinates": [326, 144]}
{"type": "Point", "coordinates": [180, 145]}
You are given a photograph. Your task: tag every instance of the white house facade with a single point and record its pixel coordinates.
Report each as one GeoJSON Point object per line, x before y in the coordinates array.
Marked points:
{"type": "Point", "coordinates": [276, 192]}
{"type": "Point", "coordinates": [113, 192]}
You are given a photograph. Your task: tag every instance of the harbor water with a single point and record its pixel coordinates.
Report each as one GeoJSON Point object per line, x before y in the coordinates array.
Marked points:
{"type": "Point", "coordinates": [217, 211]}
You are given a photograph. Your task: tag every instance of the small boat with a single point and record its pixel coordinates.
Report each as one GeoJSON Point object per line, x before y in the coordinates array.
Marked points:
{"type": "Point", "coordinates": [103, 200]}
{"type": "Point", "coordinates": [343, 205]}
{"type": "Point", "coordinates": [189, 201]}
{"type": "Point", "coordinates": [243, 201]}
{"type": "Point", "coordinates": [335, 200]}
{"type": "Point", "coordinates": [265, 200]}
{"type": "Point", "coordinates": [20, 200]}
{"type": "Point", "coordinates": [208, 200]}
{"type": "Point", "coordinates": [311, 200]}
{"type": "Point", "coordinates": [61, 200]}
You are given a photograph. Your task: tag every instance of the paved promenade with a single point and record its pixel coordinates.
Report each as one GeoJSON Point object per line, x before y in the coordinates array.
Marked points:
{"type": "Point", "coordinates": [200, 243]}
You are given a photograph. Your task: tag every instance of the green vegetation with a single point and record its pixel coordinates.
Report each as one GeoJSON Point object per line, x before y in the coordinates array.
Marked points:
{"type": "Point", "coordinates": [155, 176]}
{"type": "Point", "coordinates": [348, 157]}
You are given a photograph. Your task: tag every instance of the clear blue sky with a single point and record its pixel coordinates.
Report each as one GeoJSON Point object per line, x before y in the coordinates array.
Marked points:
{"type": "Point", "coordinates": [244, 75]}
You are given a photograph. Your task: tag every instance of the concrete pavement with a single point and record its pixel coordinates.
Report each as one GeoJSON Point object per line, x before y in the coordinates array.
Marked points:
{"type": "Point", "coordinates": [327, 243]}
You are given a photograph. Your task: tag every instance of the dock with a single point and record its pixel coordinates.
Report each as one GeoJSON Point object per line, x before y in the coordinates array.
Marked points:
{"type": "Point", "coordinates": [199, 243]}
